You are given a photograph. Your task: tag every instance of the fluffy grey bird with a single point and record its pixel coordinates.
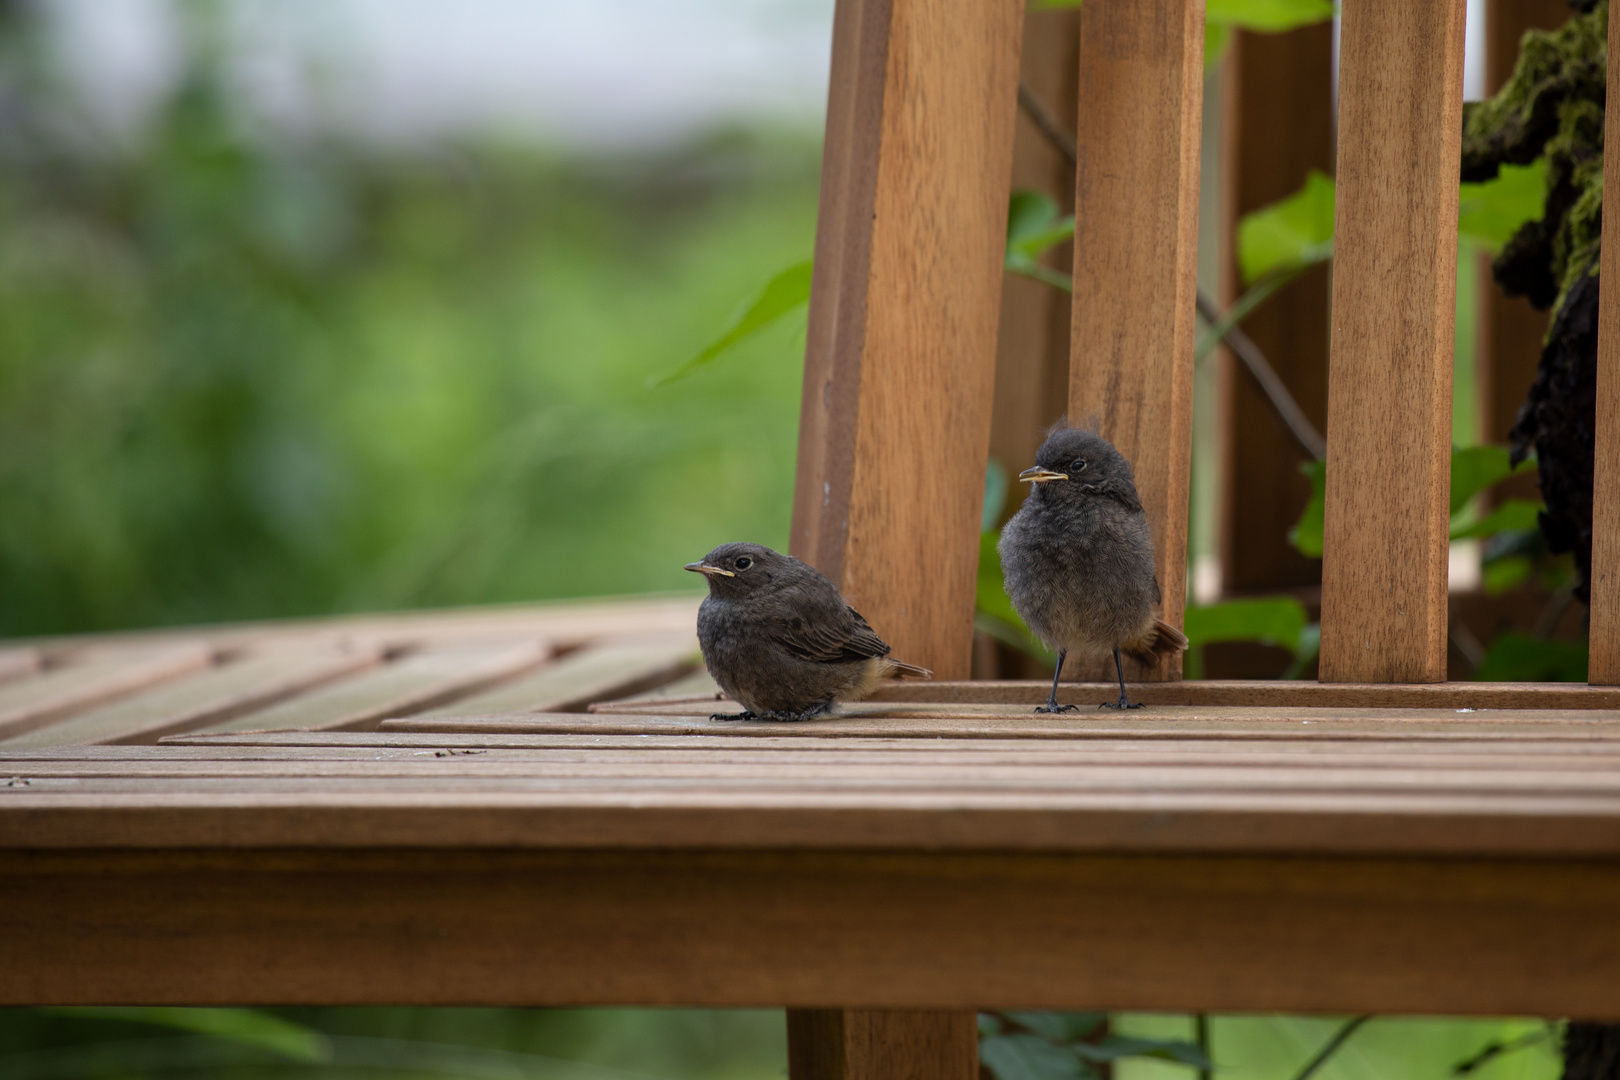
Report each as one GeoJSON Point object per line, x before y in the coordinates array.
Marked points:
{"type": "Point", "coordinates": [1077, 558]}
{"type": "Point", "coordinates": [780, 640]}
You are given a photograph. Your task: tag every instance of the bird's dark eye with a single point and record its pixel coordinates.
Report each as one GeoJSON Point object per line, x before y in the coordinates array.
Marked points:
{"type": "Point", "coordinates": [744, 562]}
{"type": "Point", "coordinates": [1077, 465]}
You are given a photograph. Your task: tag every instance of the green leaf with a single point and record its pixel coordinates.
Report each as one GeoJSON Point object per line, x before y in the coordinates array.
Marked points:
{"type": "Point", "coordinates": [1115, 1047]}
{"type": "Point", "coordinates": [1508, 572]}
{"type": "Point", "coordinates": [782, 294]}
{"type": "Point", "coordinates": [1288, 235]}
{"type": "Point", "coordinates": [1060, 1027]}
{"type": "Point", "coordinates": [1029, 1057]}
{"type": "Point", "coordinates": [1274, 620]}
{"type": "Point", "coordinates": [1493, 211]}
{"type": "Point", "coordinates": [1033, 228]}
{"type": "Point", "coordinates": [1516, 657]}
{"type": "Point", "coordinates": [1306, 535]}
{"type": "Point", "coordinates": [1475, 468]}
{"type": "Point", "coordinates": [1268, 16]}
{"type": "Point", "coordinates": [1512, 515]}
{"type": "Point", "coordinates": [249, 1027]}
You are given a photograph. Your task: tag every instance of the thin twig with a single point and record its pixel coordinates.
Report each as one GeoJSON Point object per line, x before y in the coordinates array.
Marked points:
{"type": "Point", "coordinates": [1270, 383]}
{"type": "Point", "coordinates": [1331, 1047]}
{"type": "Point", "coordinates": [1201, 1030]}
{"type": "Point", "coordinates": [1243, 347]}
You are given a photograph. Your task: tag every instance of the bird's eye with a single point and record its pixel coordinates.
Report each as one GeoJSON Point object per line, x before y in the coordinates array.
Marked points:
{"type": "Point", "coordinates": [1077, 465]}
{"type": "Point", "coordinates": [744, 562]}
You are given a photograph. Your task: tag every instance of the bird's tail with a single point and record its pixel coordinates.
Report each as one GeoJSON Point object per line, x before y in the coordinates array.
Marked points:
{"type": "Point", "coordinates": [1162, 640]}
{"type": "Point", "coordinates": [900, 667]}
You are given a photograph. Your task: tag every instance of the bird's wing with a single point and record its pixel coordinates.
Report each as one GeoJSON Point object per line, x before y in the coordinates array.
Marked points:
{"type": "Point", "coordinates": [826, 633]}
{"type": "Point", "coordinates": [1122, 492]}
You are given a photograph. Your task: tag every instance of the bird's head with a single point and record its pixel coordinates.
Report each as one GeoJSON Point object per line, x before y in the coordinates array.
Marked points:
{"type": "Point", "coordinates": [1070, 460]}
{"type": "Point", "coordinates": [741, 569]}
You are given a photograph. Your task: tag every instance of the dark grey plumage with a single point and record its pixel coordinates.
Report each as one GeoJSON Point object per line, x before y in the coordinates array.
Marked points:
{"type": "Point", "coordinates": [1077, 558]}
{"type": "Point", "coordinates": [780, 640]}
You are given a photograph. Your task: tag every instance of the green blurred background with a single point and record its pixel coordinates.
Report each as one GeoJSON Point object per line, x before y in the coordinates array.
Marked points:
{"type": "Point", "coordinates": [250, 372]}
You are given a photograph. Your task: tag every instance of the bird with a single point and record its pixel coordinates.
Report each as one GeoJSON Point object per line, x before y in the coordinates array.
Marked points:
{"type": "Point", "coordinates": [1077, 559]}
{"type": "Point", "coordinates": [779, 638]}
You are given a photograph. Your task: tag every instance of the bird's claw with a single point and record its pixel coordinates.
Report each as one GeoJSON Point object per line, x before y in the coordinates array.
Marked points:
{"type": "Point", "coordinates": [733, 716]}
{"type": "Point", "coordinates": [1122, 704]}
{"type": "Point", "coordinates": [1054, 707]}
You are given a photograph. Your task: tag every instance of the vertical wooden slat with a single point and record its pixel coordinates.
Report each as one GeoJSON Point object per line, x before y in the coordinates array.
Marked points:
{"type": "Point", "coordinates": [1604, 642]}
{"type": "Point", "coordinates": [1389, 387]}
{"type": "Point", "coordinates": [882, 1044]}
{"type": "Point", "coordinates": [1135, 269]}
{"type": "Point", "coordinates": [900, 362]}
{"type": "Point", "coordinates": [1032, 344]}
{"type": "Point", "coordinates": [1279, 127]}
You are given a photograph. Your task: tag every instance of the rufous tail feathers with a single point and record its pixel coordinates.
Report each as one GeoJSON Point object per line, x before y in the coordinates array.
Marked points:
{"type": "Point", "coordinates": [900, 667]}
{"type": "Point", "coordinates": [1162, 640]}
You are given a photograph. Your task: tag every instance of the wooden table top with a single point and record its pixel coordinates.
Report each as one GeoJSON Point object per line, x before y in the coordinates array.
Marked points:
{"type": "Point", "coordinates": [196, 787]}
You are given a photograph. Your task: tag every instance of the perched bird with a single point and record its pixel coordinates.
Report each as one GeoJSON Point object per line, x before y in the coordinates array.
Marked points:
{"type": "Point", "coordinates": [780, 640]}
{"type": "Point", "coordinates": [1077, 558]}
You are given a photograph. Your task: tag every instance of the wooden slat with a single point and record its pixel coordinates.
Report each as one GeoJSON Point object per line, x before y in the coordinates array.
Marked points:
{"type": "Point", "coordinates": [1272, 694]}
{"type": "Point", "coordinates": [94, 677]}
{"type": "Point", "coordinates": [1135, 266]}
{"type": "Point", "coordinates": [761, 928]}
{"type": "Point", "coordinates": [1017, 722]}
{"type": "Point", "coordinates": [15, 663]}
{"type": "Point", "coordinates": [693, 689]}
{"type": "Point", "coordinates": [1279, 126]}
{"type": "Point", "coordinates": [566, 624]}
{"type": "Point", "coordinates": [899, 365]}
{"type": "Point", "coordinates": [1394, 295]}
{"type": "Point", "coordinates": [228, 690]}
{"type": "Point", "coordinates": [1032, 341]}
{"type": "Point", "coordinates": [1604, 637]}
{"type": "Point", "coordinates": [1256, 693]}
{"type": "Point", "coordinates": [882, 1044]}
{"type": "Point", "coordinates": [419, 681]}
{"type": "Point", "coordinates": [590, 674]}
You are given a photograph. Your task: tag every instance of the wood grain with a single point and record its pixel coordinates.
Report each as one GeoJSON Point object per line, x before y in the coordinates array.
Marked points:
{"type": "Point", "coordinates": [1255, 693]}
{"type": "Point", "coordinates": [1604, 637]}
{"type": "Point", "coordinates": [209, 696]}
{"type": "Point", "coordinates": [882, 1044]}
{"type": "Point", "coordinates": [418, 681]}
{"type": "Point", "coordinates": [1135, 265]}
{"type": "Point", "coordinates": [92, 677]}
{"type": "Point", "coordinates": [899, 365]}
{"type": "Point", "coordinates": [1394, 295]}
{"type": "Point", "coordinates": [602, 670]}
{"type": "Point", "coordinates": [691, 689]}
{"type": "Point", "coordinates": [15, 663]}
{"type": "Point", "coordinates": [1279, 126]}
{"type": "Point", "coordinates": [872, 930]}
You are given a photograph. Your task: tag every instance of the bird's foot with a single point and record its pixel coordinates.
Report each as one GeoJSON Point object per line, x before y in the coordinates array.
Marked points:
{"type": "Point", "coordinates": [733, 716]}
{"type": "Point", "coordinates": [1122, 704]}
{"type": "Point", "coordinates": [1052, 706]}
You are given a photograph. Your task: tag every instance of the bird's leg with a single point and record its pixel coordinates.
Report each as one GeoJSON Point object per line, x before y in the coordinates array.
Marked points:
{"type": "Point", "coordinates": [733, 716]}
{"type": "Point", "coordinates": [1123, 702]}
{"type": "Point", "coordinates": [1051, 705]}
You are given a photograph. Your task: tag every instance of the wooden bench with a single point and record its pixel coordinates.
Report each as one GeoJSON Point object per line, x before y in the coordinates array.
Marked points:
{"type": "Point", "coordinates": [529, 806]}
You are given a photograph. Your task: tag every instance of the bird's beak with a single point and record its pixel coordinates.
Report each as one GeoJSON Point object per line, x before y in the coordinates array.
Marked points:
{"type": "Point", "coordinates": [705, 568]}
{"type": "Point", "coordinates": [1038, 475]}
